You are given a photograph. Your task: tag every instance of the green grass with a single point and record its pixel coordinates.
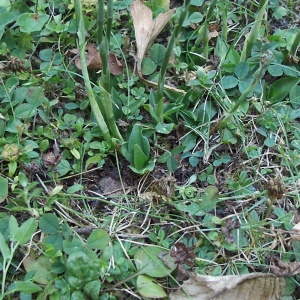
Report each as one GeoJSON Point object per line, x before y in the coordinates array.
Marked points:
{"type": "Point", "coordinates": [109, 182]}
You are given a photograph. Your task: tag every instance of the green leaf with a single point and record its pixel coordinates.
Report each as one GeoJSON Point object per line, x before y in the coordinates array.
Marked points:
{"type": "Point", "coordinates": [241, 70]}
{"type": "Point", "coordinates": [147, 288]}
{"type": "Point", "coordinates": [194, 18]}
{"type": "Point", "coordinates": [4, 248]}
{"type": "Point", "coordinates": [6, 18]}
{"type": "Point", "coordinates": [269, 142]}
{"type": "Point", "coordinates": [172, 164]}
{"type": "Point", "coordinates": [49, 223]}
{"type": "Point", "coordinates": [139, 157]}
{"type": "Point", "coordinates": [35, 96]}
{"type": "Point", "coordinates": [13, 226]}
{"type": "Point", "coordinates": [25, 232]}
{"type": "Point", "coordinates": [229, 82]}
{"type": "Point", "coordinates": [41, 268]}
{"type": "Point", "coordinates": [30, 22]}
{"type": "Point", "coordinates": [25, 111]}
{"type": "Point", "coordinates": [137, 138]}
{"type": "Point", "coordinates": [25, 287]}
{"type": "Point", "coordinates": [275, 70]}
{"type": "Point", "coordinates": [209, 198]}
{"type": "Point", "coordinates": [92, 289]}
{"type": "Point", "coordinates": [75, 188]}
{"type": "Point", "coordinates": [3, 188]}
{"type": "Point", "coordinates": [280, 88]}
{"type": "Point", "coordinates": [81, 270]}
{"type": "Point", "coordinates": [157, 53]}
{"type": "Point", "coordinates": [98, 239]}
{"type": "Point", "coordinates": [164, 128]}
{"type": "Point", "coordinates": [148, 66]}
{"type": "Point", "coordinates": [147, 262]}
{"type": "Point", "coordinates": [148, 168]}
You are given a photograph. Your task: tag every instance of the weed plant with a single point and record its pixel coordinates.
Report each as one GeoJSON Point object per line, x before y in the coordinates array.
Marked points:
{"type": "Point", "coordinates": [111, 187]}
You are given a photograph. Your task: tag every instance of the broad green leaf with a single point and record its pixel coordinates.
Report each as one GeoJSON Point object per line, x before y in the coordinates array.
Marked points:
{"type": "Point", "coordinates": [25, 287]}
{"type": "Point", "coordinates": [25, 111]}
{"type": "Point", "coordinates": [49, 223]}
{"type": "Point", "coordinates": [56, 190]}
{"type": "Point", "coordinates": [194, 18]}
{"type": "Point", "coordinates": [209, 198]}
{"type": "Point", "coordinates": [275, 70]}
{"type": "Point", "coordinates": [147, 262]}
{"type": "Point", "coordinates": [147, 288]}
{"type": "Point", "coordinates": [164, 128]}
{"type": "Point", "coordinates": [75, 188]}
{"type": "Point", "coordinates": [139, 157]}
{"type": "Point", "coordinates": [92, 289]}
{"type": "Point", "coordinates": [295, 96]}
{"type": "Point", "coordinates": [229, 82]}
{"type": "Point", "coordinates": [98, 239]}
{"type": "Point", "coordinates": [3, 188]}
{"type": "Point", "coordinates": [157, 53]}
{"type": "Point", "coordinates": [241, 70]}
{"type": "Point", "coordinates": [172, 164]}
{"type": "Point", "coordinates": [25, 232]}
{"type": "Point", "coordinates": [41, 268]}
{"type": "Point", "coordinates": [197, 2]}
{"type": "Point", "coordinates": [148, 66]}
{"type": "Point", "coordinates": [30, 22]}
{"type": "Point", "coordinates": [280, 88]}
{"type": "Point", "coordinates": [35, 96]}
{"type": "Point", "coordinates": [4, 248]}
{"type": "Point", "coordinates": [137, 138]}
{"type": "Point", "coordinates": [81, 270]}
{"type": "Point", "coordinates": [75, 153]}
{"type": "Point", "coordinates": [13, 226]}
{"type": "Point", "coordinates": [269, 142]}
{"type": "Point", "coordinates": [6, 18]}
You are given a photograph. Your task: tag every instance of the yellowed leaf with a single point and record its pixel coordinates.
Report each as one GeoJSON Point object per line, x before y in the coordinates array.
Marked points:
{"type": "Point", "coordinates": [254, 286]}
{"type": "Point", "coordinates": [146, 29]}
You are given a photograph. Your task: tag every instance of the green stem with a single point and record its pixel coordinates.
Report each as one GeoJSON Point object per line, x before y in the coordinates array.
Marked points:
{"type": "Point", "coordinates": [109, 19]}
{"type": "Point", "coordinates": [252, 37]}
{"type": "Point", "coordinates": [108, 106]}
{"type": "Point", "coordinates": [81, 43]}
{"type": "Point", "coordinates": [163, 70]}
{"type": "Point", "coordinates": [266, 60]}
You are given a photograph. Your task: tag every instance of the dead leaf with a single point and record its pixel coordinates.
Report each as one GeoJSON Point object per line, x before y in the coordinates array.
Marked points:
{"type": "Point", "coordinates": [281, 268]}
{"type": "Point", "coordinates": [295, 232]}
{"type": "Point", "coordinates": [146, 29]}
{"type": "Point", "coordinates": [213, 31]}
{"type": "Point", "coordinates": [116, 67]}
{"type": "Point", "coordinates": [254, 286]}
{"type": "Point", "coordinates": [93, 60]}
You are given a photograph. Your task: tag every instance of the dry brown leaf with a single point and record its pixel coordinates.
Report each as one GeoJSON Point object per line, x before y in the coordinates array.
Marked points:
{"type": "Point", "coordinates": [295, 232]}
{"type": "Point", "coordinates": [282, 268]}
{"type": "Point", "coordinates": [146, 29]}
{"type": "Point", "coordinates": [115, 66]}
{"type": "Point", "coordinates": [93, 60]}
{"type": "Point", "coordinates": [254, 286]}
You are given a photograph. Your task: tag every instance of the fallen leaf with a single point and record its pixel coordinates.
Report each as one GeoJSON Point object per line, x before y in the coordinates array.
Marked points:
{"type": "Point", "coordinates": [295, 232]}
{"type": "Point", "coordinates": [281, 268]}
{"type": "Point", "coordinates": [146, 29]}
{"type": "Point", "coordinates": [116, 67]}
{"type": "Point", "coordinates": [93, 60]}
{"type": "Point", "coordinates": [254, 286]}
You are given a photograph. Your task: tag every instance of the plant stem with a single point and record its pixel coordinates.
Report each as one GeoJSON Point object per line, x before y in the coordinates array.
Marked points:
{"type": "Point", "coordinates": [251, 38]}
{"type": "Point", "coordinates": [81, 43]}
{"type": "Point", "coordinates": [163, 70]}
{"type": "Point", "coordinates": [266, 60]}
